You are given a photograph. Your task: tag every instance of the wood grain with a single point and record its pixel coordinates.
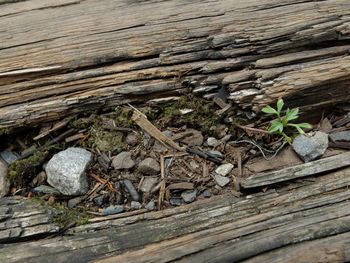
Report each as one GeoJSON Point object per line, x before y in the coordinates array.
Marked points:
{"type": "Point", "coordinates": [221, 229]}
{"type": "Point", "coordinates": [59, 58]}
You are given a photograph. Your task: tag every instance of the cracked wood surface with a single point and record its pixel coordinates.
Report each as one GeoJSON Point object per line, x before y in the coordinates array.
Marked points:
{"type": "Point", "coordinates": [63, 57]}
{"type": "Point", "coordinates": [21, 220]}
{"type": "Point", "coordinates": [221, 229]}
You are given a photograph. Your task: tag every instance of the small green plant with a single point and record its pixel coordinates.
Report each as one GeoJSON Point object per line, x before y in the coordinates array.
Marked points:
{"type": "Point", "coordinates": [279, 125]}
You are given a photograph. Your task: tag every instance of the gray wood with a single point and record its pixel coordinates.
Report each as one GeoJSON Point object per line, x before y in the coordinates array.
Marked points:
{"type": "Point", "coordinates": [298, 171]}
{"type": "Point", "coordinates": [62, 57]}
{"type": "Point", "coordinates": [219, 229]}
{"type": "Point", "coordinates": [21, 219]}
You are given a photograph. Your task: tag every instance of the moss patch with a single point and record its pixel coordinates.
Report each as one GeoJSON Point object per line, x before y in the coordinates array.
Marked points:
{"type": "Point", "coordinates": [202, 117]}
{"type": "Point", "coordinates": [22, 170]}
{"type": "Point", "coordinates": [64, 215]}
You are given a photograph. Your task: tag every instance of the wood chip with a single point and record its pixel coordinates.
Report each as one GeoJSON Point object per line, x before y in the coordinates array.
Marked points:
{"type": "Point", "coordinates": [142, 121]}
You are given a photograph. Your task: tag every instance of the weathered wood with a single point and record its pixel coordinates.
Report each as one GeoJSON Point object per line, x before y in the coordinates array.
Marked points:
{"type": "Point", "coordinates": [298, 171]}
{"type": "Point", "coordinates": [63, 57]}
{"type": "Point", "coordinates": [216, 230]}
{"type": "Point", "coordinates": [21, 220]}
{"type": "Point", "coordinates": [331, 249]}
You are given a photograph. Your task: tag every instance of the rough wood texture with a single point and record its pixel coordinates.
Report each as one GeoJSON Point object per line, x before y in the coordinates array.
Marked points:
{"type": "Point", "coordinates": [67, 56]}
{"type": "Point", "coordinates": [21, 220]}
{"type": "Point", "coordinates": [298, 171]}
{"type": "Point", "coordinates": [223, 229]}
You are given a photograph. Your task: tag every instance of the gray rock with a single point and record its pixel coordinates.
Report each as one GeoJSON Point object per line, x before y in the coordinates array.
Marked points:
{"type": "Point", "coordinates": [113, 209]}
{"type": "Point", "coordinates": [4, 182]}
{"type": "Point", "coordinates": [100, 200]}
{"type": "Point", "coordinates": [74, 202]}
{"type": "Point", "coordinates": [45, 189]}
{"type": "Point", "coordinates": [131, 139]}
{"type": "Point", "coordinates": [211, 141]}
{"type": "Point", "coordinates": [207, 193]}
{"type": "Point", "coordinates": [135, 205]}
{"type": "Point", "coordinates": [148, 184]}
{"type": "Point", "coordinates": [221, 180]}
{"type": "Point", "coordinates": [147, 141]}
{"type": "Point", "coordinates": [224, 169]}
{"type": "Point", "coordinates": [311, 146]}
{"type": "Point", "coordinates": [158, 147]}
{"type": "Point", "coordinates": [196, 139]}
{"type": "Point", "coordinates": [151, 205]}
{"type": "Point", "coordinates": [340, 136]}
{"type": "Point", "coordinates": [131, 190]}
{"type": "Point", "coordinates": [123, 161]}
{"type": "Point", "coordinates": [9, 156]}
{"type": "Point", "coordinates": [66, 171]}
{"type": "Point", "coordinates": [189, 196]}
{"type": "Point", "coordinates": [176, 201]}
{"type": "Point", "coordinates": [149, 166]}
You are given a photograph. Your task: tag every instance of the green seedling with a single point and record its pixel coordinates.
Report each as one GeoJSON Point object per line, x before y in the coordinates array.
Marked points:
{"type": "Point", "coordinates": [279, 125]}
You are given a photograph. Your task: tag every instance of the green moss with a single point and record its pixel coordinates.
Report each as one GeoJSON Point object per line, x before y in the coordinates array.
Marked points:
{"type": "Point", "coordinates": [202, 117]}
{"type": "Point", "coordinates": [122, 117]}
{"type": "Point", "coordinates": [21, 170]}
{"type": "Point", "coordinates": [64, 215]}
{"type": "Point", "coordinates": [107, 140]}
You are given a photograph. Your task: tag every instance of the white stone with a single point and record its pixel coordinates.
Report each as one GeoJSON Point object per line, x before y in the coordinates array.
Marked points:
{"type": "Point", "coordinates": [224, 169]}
{"type": "Point", "coordinates": [66, 171]}
{"type": "Point", "coordinates": [211, 141]}
{"type": "Point", "coordinates": [311, 146]}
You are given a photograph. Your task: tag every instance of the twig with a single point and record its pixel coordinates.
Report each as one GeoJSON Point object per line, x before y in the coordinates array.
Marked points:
{"type": "Point", "coordinates": [260, 148]}
{"type": "Point", "coordinates": [141, 120]}
{"type": "Point", "coordinates": [162, 185]}
{"type": "Point", "coordinates": [251, 129]}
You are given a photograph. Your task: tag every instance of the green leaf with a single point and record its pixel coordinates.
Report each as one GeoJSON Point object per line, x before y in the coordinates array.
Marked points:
{"type": "Point", "coordinates": [305, 125]}
{"type": "Point", "coordinates": [292, 114]}
{"type": "Point", "coordinates": [300, 130]}
{"type": "Point", "coordinates": [276, 126]}
{"type": "Point", "coordinates": [280, 105]}
{"type": "Point", "coordinates": [301, 126]}
{"type": "Point", "coordinates": [269, 110]}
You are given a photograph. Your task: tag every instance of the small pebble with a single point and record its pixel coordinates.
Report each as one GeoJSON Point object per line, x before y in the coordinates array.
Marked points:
{"type": "Point", "coordinates": [189, 196]}
{"type": "Point", "coordinates": [135, 205]}
{"type": "Point", "coordinates": [113, 209]}
{"type": "Point", "coordinates": [131, 139]}
{"type": "Point", "coordinates": [149, 166]}
{"type": "Point", "coordinates": [211, 141]}
{"type": "Point", "coordinates": [100, 200]}
{"type": "Point", "coordinates": [74, 201]}
{"type": "Point", "coordinates": [224, 169]}
{"type": "Point", "coordinates": [207, 193]}
{"type": "Point", "coordinates": [9, 156]}
{"type": "Point", "coordinates": [131, 190]}
{"type": "Point", "coordinates": [221, 180]}
{"type": "Point", "coordinates": [148, 184]}
{"type": "Point", "coordinates": [175, 201]}
{"type": "Point", "coordinates": [45, 189]}
{"type": "Point", "coordinates": [151, 205]}
{"type": "Point", "coordinates": [123, 161]}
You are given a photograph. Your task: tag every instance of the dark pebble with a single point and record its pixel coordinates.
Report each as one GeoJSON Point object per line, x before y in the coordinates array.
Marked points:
{"type": "Point", "coordinates": [131, 189]}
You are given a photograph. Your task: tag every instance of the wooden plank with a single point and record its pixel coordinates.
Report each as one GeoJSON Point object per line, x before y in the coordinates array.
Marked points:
{"type": "Point", "coordinates": [298, 171]}
{"type": "Point", "coordinates": [52, 66]}
{"type": "Point", "coordinates": [215, 230]}
{"type": "Point", "coordinates": [331, 249]}
{"type": "Point", "coordinates": [21, 219]}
